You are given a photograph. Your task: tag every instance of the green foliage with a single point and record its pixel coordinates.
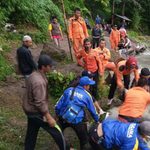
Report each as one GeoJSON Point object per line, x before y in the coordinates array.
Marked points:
{"type": "Point", "coordinates": [58, 83]}
{"type": "Point", "coordinates": [136, 19]}
{"type": "Point", "coordinates": [5, 68]}
{"type": "Point", "coordinates": [103, 90]}
{"type": "Point", "coordinates": [34, 12]}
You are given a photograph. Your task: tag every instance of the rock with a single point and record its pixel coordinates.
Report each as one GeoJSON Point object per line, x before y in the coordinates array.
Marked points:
{"type": "Point", "coordinates": [54, 52]}
{"type": "Point", "coordinates": [11, 79]}
{"type": "Point", "coordinates": [114, 55]}
{"type": "Point", "coordinates": [109, 77]}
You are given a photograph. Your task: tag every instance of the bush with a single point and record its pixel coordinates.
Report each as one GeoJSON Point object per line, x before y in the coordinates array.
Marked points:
{"type": "Point", "coordinates": [35, 12]}
{"type": "Point", "coordinates": [5, 68]}
{"type": "Point", "coordinates": [58, 83]}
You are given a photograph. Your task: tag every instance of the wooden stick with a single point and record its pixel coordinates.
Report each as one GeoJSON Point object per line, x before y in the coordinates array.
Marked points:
{"type": "Point", "coordinates": [64, 14]}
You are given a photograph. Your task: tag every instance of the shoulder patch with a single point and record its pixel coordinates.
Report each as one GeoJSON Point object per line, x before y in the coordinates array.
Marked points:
{"type": "Point", "coordinates": [121, 68]}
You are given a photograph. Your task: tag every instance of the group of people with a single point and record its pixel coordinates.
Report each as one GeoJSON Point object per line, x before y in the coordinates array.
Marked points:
{"type": "Point", "coordinates": [128, 131]}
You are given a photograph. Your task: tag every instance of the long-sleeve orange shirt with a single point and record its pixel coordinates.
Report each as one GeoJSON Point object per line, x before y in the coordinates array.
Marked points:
{"type": "Point", "coordinates": [121, 70]}
{"type": "Point", "coordinates": [103, 54]}
{"type": "Point", "coordinates": [77, 28]}
{"type": "Point", "coordinates": [135, 103]}
{"type": "Point", "coordinates": [91, 60]}
{"type": "Point", "coordinates": [115, 35]}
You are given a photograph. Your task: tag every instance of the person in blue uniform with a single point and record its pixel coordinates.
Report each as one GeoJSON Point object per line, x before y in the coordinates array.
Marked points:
{"type": "Point", "coordinates": [112, 133]}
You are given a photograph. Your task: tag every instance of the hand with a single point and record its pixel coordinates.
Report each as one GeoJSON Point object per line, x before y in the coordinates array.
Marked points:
{"type": "Point", "coordinates": [51, 122]}
{"type": "Point", "coordinates": [125, 90]}
{"type": "Point", "coordinates": [52, 38]}
{"type": "Point", "coordinates": [71, 40]}
{"type": "Point", "coordinates": [101, 75]}
{"type": "Point", "coordinates": [97, 122]}
{"type": "Point", "coordinates": [101, 112]}
{"type": "Point", "coordinates": [57, 118]}
{"type": "Point", "coordinates": [62, 38]}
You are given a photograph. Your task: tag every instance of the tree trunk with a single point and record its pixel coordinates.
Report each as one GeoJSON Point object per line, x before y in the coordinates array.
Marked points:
{"type": "Point", "coordinates": [113, 8]}
{"type": "Point", "coordinates": [64, 14]}
{"type": "Point", "coordinates": [123, 7]}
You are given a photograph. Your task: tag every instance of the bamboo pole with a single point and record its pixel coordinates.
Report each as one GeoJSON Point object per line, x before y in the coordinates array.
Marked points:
{"type": "Point", "coordinates": [64, 14]}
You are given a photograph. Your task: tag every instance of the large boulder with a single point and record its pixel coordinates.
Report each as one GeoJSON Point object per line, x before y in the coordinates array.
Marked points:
{"type": "Point", "coordinates": [114, 55]}
{"type": "Point", "coordinates": [54, 52]}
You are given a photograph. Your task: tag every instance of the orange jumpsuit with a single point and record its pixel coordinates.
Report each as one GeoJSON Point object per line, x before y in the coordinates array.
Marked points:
{"type": "Point", "coordinates": [122, 70]}
{"type": "Point", "coordinates": [91, 60]}
{"type": "Point", "coordinates": [104, 55]}
{"type": "Point", "coordinates": [77, 32]}
{"type": "Point", "coordinates": [114, 38]}
{"type": "Point", "coordinates": [135, 103]}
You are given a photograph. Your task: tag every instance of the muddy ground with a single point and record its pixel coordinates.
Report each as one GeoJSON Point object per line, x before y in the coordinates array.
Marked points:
{"type": "Point", "coordinates": [11, 94]}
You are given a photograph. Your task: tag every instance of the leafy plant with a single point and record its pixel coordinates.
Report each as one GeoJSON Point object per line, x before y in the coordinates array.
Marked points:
{"type": "Point", "coordinates": [58, 83]}
{"type": "Point", "coordinates": [5, 68]}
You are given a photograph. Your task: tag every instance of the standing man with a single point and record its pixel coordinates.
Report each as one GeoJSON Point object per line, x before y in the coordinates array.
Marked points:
{"type": "Point", "coordinates": [87, 22]}
{"type": "Point", "coordinates": [77, 31]}
{"type": "Point", "coordinates": [103, 24]}
{"type": "Point", "coordinates": [104, 55]}
{"type": "Point", "coordinates": [25, 60]}
{"type": "Point", "coordinates": [55, 31]}
{"type": "Point", "coordinates": [91, 62]}
{"type": "Point", "coordinates": [122, 31]}
{"type": "Point", "coordinates": [114, 38]}
{"type": "Point", "coordinates": [78, 97]}
{"type": "Point", "coordinates": [35, 105]}
{"type": "Point", "coordinates": [123, 69]}
{"type": "Point", "coordinates": [124, 24]}
{"type": "Point", "coordinates": [96, 34]}
{"type": "Point", "coordinates": [98, 19]}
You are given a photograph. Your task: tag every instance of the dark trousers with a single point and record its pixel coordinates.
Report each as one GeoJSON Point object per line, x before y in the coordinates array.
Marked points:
{"type": "Point", "coordinates": [80, 131]}
{"type": "Point", "coordinates": [126, 119]}
{"type": "Point", "coordinates": [94, 138]}
{"type": "Point", "coordinates": [34, 125]}
{"type": "Point", "coordinates": [94, 87]}
{"type": "Point", "coordinates": [95, 41]}
{"type": "Point", "coordinates": [120, 46]}
{"type": "Point", "coordinates": [114, 85]}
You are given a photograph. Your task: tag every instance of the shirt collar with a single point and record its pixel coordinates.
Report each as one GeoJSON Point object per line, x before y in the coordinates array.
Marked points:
{"type": "Point", "coordinates": [25, 46]}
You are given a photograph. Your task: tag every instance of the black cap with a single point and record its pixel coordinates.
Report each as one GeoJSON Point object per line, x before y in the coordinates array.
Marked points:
{"type": "Point", "coordinates": [144, 128]}
{"type": "Point", "coordinates": [46, 61]}
{"type": "Point", "coordinates": [145, 72]}
{"type": "Point", "coordinates": [88, 73]}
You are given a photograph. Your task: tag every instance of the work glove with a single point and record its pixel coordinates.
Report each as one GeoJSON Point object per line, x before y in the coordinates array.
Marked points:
{"type": "Point", "coordinates": [101, 112]}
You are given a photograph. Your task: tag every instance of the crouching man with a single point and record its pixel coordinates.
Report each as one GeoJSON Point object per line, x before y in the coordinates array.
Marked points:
{"type": "Point", "coordinates": [69, 109]}
{"type": "Point", "coordinates": [112, 133]}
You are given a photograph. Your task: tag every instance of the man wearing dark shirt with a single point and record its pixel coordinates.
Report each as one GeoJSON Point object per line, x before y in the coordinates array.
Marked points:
{"type": "Point", "coordinates": [25, 60]}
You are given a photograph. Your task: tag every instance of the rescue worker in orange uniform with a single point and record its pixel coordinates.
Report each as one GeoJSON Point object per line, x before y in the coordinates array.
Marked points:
{"type": "Point", "coordinates": [136, 100]}
{"type": "Point", "coordinates": [114, 38]}
{"type": "Point", "coordinates": [77, 31]}
{"type": "Point", "coordinates": [104, 55]}
{"type": "Point", "coordinates": [91, 62]}
{"type": "Point", "coordinates": [123, 69]}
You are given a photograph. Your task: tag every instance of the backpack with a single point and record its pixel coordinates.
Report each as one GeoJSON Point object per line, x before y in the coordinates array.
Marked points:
{"type": "Point", "coordinates": [71, 111]}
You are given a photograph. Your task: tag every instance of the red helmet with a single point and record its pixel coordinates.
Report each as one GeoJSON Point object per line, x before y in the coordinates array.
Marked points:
{"type": "Point", "coordinates": [132, 61]}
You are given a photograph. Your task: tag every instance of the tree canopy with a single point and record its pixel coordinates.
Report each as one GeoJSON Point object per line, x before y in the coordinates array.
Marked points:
{"type": "Point", "coordinates": [39, 13]}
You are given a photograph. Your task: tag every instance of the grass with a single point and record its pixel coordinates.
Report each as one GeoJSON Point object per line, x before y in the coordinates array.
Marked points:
{"type": "Point", "coordinates": [138, 36]}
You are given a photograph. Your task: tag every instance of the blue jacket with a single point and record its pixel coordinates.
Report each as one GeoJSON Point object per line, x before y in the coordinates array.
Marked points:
{"type": "Point", "coordinates": [125, 136]}
{"type": "Point", "coordinates": [81, 98]}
